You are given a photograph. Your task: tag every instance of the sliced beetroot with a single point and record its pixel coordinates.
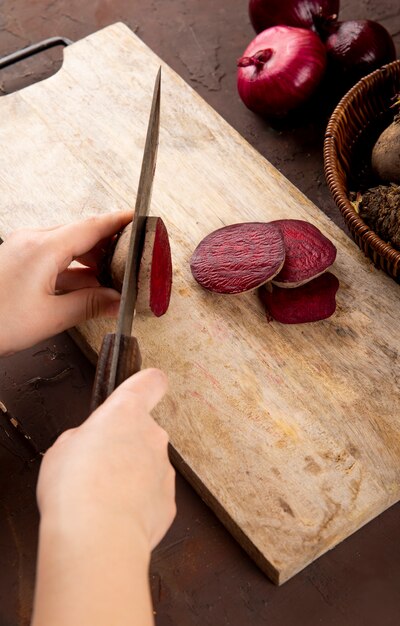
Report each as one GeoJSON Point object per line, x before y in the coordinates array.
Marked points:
{"type": "Point", "coordinates": [308, 253]}
{"type": "Point", "coordinates": [239, 257]}
{"type": "Point", "coordinates": [155, 272]}
{"type": "Point", "coordinates": [311, 302]}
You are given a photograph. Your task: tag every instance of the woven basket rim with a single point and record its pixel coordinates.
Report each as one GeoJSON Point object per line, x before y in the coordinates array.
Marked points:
{"type": "Point", "coordinates": [355, 223]}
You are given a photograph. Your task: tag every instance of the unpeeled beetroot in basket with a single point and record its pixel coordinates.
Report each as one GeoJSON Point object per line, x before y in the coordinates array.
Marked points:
{"type": "Point", "coordinates": [347, 157]}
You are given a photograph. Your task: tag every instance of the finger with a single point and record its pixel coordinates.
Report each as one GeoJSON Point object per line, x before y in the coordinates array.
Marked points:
{"type": "Point", "coordinates": [73, 308]}
{"type": "Point", "coordinates": [75, 240]}
{"type": "Point", "coordinates": [47, 229]}
{"type": "Point", "coordinates": [97, 254]}
{"type": "Point", "coordinates": [147, 388]}
{"type": "Point", "coordinates": [76, 278]}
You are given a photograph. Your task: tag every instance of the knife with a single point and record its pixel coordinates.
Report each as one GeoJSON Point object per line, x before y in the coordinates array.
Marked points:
{"type": "Point", "coordinates": [119, 356]}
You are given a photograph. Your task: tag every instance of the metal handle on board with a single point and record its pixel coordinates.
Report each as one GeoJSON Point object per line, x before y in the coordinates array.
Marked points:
{"type": "Point", "coordinates": [33, 49]}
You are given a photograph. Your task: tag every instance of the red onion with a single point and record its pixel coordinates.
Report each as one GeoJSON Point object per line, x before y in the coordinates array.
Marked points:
{"type": "Point", "coordinates": [301, 13]}
{"type": "Point", "coordinates": [280, 69]}
{"type": "Point", "coordinates": [357, 47]}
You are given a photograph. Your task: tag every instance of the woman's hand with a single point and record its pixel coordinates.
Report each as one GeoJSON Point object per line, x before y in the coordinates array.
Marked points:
{"type": "Point", "coordinates": [106, 497]}
{"type": "Point", "coordinates": [41, 295]}
{"type": "Point", "coordinates": [116, 464]}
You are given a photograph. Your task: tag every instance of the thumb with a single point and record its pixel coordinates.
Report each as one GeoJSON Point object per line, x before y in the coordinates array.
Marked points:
{"type": "Point", "coordinates": [143, 390]}
{"type": "Point", "coordinates": [84, 304]}
{"type": "Point", "coordinates": [146, 387]}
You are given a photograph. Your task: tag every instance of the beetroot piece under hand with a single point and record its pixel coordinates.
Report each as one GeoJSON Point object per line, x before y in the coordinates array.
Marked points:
{"type": "Point", "coordinates": [308, 253]}
{"type": "Point", "coordinates": [155, 272]}
{"type": "Point", "coordinates": [311, 302]}
{"type": "Point", "coordinates": [239, 257]}
{"type": "Point", "coordinates": [118, 259]}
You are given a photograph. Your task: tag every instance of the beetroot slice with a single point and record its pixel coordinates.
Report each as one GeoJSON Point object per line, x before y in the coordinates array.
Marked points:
{"type": "Point", "coordinates": [311, 302]}
{"type": "Point", "coordinates": [155, 272]}
{"type": "Point", "coordinates": [308, 253]}
{"type": "Point", "coordinates": [239, 257]}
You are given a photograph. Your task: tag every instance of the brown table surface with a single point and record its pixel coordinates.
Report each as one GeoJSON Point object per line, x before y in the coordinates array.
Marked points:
{"type": "Point", "coordinates": [199, 575]}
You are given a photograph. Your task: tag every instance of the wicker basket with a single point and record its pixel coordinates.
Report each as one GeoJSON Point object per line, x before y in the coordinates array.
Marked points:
{"type": "Point", "coordinates": [353, 128]}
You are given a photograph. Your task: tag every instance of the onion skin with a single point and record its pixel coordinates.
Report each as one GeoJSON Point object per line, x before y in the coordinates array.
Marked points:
{"type": "Point", "coordinates": [280, 70]}
{"type": "Point", "coordinates": [300, 13]}
{"type": "Point", "coordinates": [357, 47]}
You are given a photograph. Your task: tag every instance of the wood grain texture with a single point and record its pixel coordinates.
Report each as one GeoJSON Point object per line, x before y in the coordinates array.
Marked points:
{"type": "Point", "coordinates": [291, 433]}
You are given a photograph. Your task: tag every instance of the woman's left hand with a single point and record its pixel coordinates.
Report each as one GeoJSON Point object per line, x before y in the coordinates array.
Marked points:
{"type": "Point", "coordinates": [40, 294]}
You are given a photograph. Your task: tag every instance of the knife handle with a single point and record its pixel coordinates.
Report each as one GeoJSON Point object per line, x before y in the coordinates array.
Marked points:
{"type": "Point", "coordinates": [129, 362]}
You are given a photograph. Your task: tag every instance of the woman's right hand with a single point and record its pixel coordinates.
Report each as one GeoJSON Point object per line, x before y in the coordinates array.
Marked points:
{"type": "Point", "coordinates": [115, 465]}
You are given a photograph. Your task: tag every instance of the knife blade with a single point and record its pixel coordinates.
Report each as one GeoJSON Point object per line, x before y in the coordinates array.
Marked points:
{"type": "Point", "coordinates": [121, 345]}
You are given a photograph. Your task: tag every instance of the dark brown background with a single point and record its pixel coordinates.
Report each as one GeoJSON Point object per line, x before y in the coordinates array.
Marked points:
{"type": "Point", "coordinates": [199, 575]}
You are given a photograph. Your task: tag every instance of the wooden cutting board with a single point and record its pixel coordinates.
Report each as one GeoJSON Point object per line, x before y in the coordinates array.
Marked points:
{"type": "Point", "coordinates": [290, 433]}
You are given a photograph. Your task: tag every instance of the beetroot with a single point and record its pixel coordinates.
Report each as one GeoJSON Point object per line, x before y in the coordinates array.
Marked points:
{"type": "Point", "coordinates": [308, 253]}
{"type": "Point", "coordinates": [239, 257]}
{"type": "Point", "coordinates": [118, 259]}
{"type": "Point", "coordinates": [311, 302]}
{"type": "Point", "coordinates": [155, 272]}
